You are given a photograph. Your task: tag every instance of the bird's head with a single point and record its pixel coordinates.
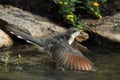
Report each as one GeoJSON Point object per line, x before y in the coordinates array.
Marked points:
{"type": "Point", "coordinates": [72, 30]}
{"type": "Point", "coordinates": [72, 33]}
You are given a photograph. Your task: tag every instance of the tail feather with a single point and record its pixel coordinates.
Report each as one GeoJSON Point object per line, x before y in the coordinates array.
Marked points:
{"type": "Point", "coordinates": [24, 36]}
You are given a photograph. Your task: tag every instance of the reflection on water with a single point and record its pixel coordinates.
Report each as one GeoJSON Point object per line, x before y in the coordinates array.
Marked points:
{"type": "Point", "coordinates": [107, 64]}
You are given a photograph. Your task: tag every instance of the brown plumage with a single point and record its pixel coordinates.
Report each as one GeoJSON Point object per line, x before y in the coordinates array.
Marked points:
{"type": "Point", "coordinates": [80, 47]}
{"type": "Point", "coordinates": [67, 56]}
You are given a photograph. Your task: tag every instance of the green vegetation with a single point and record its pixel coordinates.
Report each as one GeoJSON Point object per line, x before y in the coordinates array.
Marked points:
{"type": "Point", "coordinates": [16, 61]}
{"type": "Point", "coordinates": [20, 60]}
{"type": "Point", "coordinates": [68, 10]}
{"type": "Point", "coordinates": [6, 59]}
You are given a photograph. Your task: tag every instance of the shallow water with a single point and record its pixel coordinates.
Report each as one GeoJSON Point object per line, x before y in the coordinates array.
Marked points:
{"type": "Point", "coordinates": [107, 63]}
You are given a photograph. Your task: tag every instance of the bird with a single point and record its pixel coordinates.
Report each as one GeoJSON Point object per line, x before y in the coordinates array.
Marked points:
{"type": "Point", "coordinates": [64, 50]}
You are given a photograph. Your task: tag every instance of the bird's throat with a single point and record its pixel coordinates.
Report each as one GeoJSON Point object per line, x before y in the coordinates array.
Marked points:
{"type": "Point", "coordinates": [72, 37]}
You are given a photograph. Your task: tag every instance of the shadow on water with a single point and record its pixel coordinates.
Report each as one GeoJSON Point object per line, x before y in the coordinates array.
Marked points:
{"type": "Point", "coordinates": [107, 63]}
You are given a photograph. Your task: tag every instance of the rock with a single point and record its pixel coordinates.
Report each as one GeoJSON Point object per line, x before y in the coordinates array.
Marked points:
{"type": "Point", "coordinates": [83, 37]}
{"type": "Point", "coordinates": [108, 27]}
{"type": "Point", "coordinates": [5, 40]}
{"type": "Point", "coordinates": [37, 26]}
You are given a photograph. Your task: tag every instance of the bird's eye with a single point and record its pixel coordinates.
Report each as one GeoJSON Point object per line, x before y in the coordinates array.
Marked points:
{"type": "Point", "coordinates": [75, 30]}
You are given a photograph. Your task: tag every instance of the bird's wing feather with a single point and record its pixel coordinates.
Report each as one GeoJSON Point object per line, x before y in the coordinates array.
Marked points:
{"type": "Point", "coordinates": [80, 47]}
{"type": "Point", "coordinates": [72, 59]}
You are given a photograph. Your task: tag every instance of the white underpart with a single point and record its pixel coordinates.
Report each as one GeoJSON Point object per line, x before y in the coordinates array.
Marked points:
{"type": "Point", "coordinates": [72, 37]}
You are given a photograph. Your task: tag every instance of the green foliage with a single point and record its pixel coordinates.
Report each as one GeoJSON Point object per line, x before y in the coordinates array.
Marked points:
{"type": "Point", "coordinates": [16, 61]}
{"type": "Point", "coordinates": [5, 59]}
{"type": "Point", "coordinates": [92, 7]}
{"type": "Point", "coordinates": [67, 8]}
{"type": "Point", "coordinates": [20, 60]}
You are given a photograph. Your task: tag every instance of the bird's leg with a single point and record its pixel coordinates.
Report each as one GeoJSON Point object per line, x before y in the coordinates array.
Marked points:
{"type": "Point", "coordinates": [44, 50]}
{"type": "Point", "coordinates": [60, 68]}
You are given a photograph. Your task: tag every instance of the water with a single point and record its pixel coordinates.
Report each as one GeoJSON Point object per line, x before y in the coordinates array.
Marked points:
{"type": "Point", "coordinates": [107, 63]}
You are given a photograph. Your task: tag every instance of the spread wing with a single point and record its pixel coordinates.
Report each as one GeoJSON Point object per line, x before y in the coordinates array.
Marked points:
{"type": "Point", "coordinates": [80, 47]}
{"type": "Point", "coordinates": [71, 58]}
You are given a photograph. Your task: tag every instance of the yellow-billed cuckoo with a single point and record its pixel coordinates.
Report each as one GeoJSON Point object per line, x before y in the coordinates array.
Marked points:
{"type": "Point", "coordinates": [64, 50]}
